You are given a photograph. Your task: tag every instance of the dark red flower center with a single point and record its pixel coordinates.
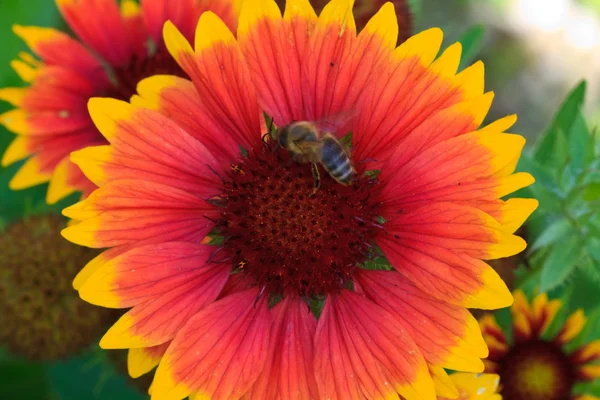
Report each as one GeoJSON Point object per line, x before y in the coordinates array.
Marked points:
{"type": "Point", "coordinates": [287, 237]}
{"type": "Point", "coordinates": [536, 370]}
{"type": "Point", "coordinates": [126, 78]}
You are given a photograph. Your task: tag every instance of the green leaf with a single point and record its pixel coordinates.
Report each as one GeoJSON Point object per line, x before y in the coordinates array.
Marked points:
{"type": "Point", "coordinates": [591, 191]}
{"type": "Point", "coordinates": [560, 263]}
{"type": "Point", "coordinates": [471, 42]}
{"type": "Point", "coordinates": [23, 380]}
{"type": "Point", "coordinates": [593, 248]}
{"type": "Point", "coordinates": [558, 230]}
{"type": "Point", "coordinates": [548, 146]}
{"type": "Point", "coordinates": [91, 376]}
{"type": "Point", "coordinates": [581, 146]}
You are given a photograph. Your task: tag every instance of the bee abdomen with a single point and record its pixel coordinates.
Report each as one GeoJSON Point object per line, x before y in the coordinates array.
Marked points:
{"type": "Point", "coordinates": [336, 161]}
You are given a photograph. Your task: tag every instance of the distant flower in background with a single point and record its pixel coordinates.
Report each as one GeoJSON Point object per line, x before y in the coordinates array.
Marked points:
{"type": "Point", "coordinates": [365, 9]}
{"type": "Point", "coordinates": [41, 317]}
{"type": "Point", "coordinates": [536, 365]}
{"type": "Point", "coordinates": [289, 303]}
{"type": "Point", "coordinates": [115, 50]}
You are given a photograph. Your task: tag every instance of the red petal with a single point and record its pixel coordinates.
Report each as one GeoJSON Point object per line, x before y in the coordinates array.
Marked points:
{"type": "Point", "coordinates": [125, 212]}
{"type": "Point", "coordinates": [438, 248]}
{"type": "Point", "coordinates": [147, 146]}
{"type": "Point", "coordinates": [221, 76]}
{"type": "Point", "coordinates": [289, 374]}
{"type": "Point", "coordinates": [99, 24]}
{"type": "Point", "coordinates": [146, 272]}
{"type": "Point", "coordinates": [56, 48]}
{"type": "Point", "coordinates": [166, 295]}
{"type": "Point", "coordinates": [362, 351]}
{"type": "Point", "coordinates": [178, 99]}
{"type": "Point", "coordinates": [220, 353]}
{"type": "Point", "coordinates": [447, 335]}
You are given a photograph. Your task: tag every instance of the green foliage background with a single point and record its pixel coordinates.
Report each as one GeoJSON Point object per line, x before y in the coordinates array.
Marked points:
{"type": "Point", "coordinates": [564, 233]}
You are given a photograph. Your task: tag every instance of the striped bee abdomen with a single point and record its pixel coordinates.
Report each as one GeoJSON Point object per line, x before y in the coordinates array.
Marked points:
{"type": "Point", "coordinates": [335, 160]}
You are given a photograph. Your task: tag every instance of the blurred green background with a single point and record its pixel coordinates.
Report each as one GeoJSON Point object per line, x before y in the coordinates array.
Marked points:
{"type": "Point", "coordinates": [535, 52]}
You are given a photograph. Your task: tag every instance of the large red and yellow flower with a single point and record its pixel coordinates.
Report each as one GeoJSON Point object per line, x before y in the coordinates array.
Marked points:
{"type": "Point", "coordinates": [116, 49]}
{"type": "Point", "coordinates": [536, 365]}
{"type": "Point", "coordinates": [292, 298]}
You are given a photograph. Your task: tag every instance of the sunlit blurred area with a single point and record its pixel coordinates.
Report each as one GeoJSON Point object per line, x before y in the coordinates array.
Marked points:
{"type": "Point", "coordinates": [535, 51]}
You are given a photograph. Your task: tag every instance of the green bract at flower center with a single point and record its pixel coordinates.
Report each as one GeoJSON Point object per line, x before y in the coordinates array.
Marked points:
{"type": "Point", "coordinates": [536, 370]}
{"type": "Point", "coordinates": [41, 316]}
{"type": "Point", "coordinates": [286, 236]}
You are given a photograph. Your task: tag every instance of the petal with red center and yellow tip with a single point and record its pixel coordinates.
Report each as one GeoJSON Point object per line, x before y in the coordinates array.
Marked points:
{"type": "Point", "coordinates": [43, 123]}
{"type": "Point", "coordinates": [220, 353]}
{"type": "Point", "coordinates": [57, 48]}
{"type": "Point", "coordinates": [166, 309]}
{"type": "Point", "coordinates": [439, 247]}
{"type": "Point", "coordinates": [572, 328]}
{"type": "Point", "coordinates": [58, 89]}
{"type": "Point", "coordinates": [362, 351]}
{"type": "Point", "coordinates": [511, 213]}
{"type": "Point", "coordinates": [526, 320]}
{"type": "Point", "coordinates": [279, 56]}
{"type": "Point", "coordinates": [128, 211]}
{"type": "Point", "coordinates": [461, 170]}
{"type": "Point", "coordinates": [444, 387]}
{"type": "Point", "coordinates": [493, 337]}
{"type": "Point", "coordinates": [219, 72]}
{"type": "Point", "coordinates": [441, 126]}
{"type": "Point", "coordinates": [142, 360]}
{"type": "Point", "coordinates": [100, 25]}
{"type": "Point", "coordinates": [13, 95]}
{"type": "Point", "coordinates": [585, 397]}
{"type": "Point", "coordinates": [447, 335]}
{"type": "Point", "coordinates": [288, 373]}
{"type": "Point", "coordinates": [59, 186]}
{"type": "Point", "coordinates": [48, 163]}
{"type": "Point", "coordinates": [587, 353]}
{"type": "Point", "coordinates": [477, 386]}
{"type": "Point", "coordinates": [178, 99]}
{"type": "Point", "coordinates": [146, 145]}
{"type": "Point", "coordinates": [17, 150]}
{"type": "Point", "coordinates": [143, 273]}
{"type": "Point", "coordinates": [544, 312]}
{"type": "Point", "coordinates": [588, 372]}
{"type": "Point", "coordinates": [30, 174]}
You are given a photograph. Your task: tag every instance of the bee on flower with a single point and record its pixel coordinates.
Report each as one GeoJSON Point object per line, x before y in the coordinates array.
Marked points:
{"type": "Point", "coordinates": [283, 300]}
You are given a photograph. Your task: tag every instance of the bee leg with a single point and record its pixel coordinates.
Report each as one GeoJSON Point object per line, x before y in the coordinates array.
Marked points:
{"type": "Point", "coordinates": [316, 177]}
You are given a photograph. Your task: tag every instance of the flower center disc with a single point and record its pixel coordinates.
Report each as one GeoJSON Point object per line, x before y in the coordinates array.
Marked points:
{"type": "Point", "coordinates": [536, 370]}
{"type": "Point", "coordinates": [127, 78]}
{"type": "Point", "coordinates": [285, 235]}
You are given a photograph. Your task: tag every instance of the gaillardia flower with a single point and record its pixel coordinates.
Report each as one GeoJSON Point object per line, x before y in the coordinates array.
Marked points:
{"type": "Point", "coordinates": [116, 49]}
{"type": "Point", "coordinates": [189, 158]}
{"type": "Point", "coordinates": [41, 317]}
{"type": "Point", "coordinates": [536, 365]}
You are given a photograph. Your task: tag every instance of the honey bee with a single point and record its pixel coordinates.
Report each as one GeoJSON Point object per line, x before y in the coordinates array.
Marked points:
{"type": "Point", "coordinates": [307, 143]}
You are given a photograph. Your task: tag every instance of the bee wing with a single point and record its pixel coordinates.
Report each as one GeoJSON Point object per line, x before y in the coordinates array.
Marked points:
{"type": "Point", "coordinates": [309, 150]}
{"type": "Point", "coordinates": [335, 122]}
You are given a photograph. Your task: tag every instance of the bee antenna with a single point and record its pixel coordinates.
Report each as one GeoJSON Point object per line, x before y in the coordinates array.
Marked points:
{"type": "Point", "coordinates": [215, 172]}
{"type": "Point", "coordinates": [307, 301]}
{"type": "Point", "coordinates": [259, 295]}
{"type": "Point", "coordinates": [214, 253]}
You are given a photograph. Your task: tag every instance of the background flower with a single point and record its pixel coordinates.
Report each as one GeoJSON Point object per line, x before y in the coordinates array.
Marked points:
{"type": "Point", "coordinates": [536, 364]}
{"type": "Point", "coordinates": [116, 49]}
